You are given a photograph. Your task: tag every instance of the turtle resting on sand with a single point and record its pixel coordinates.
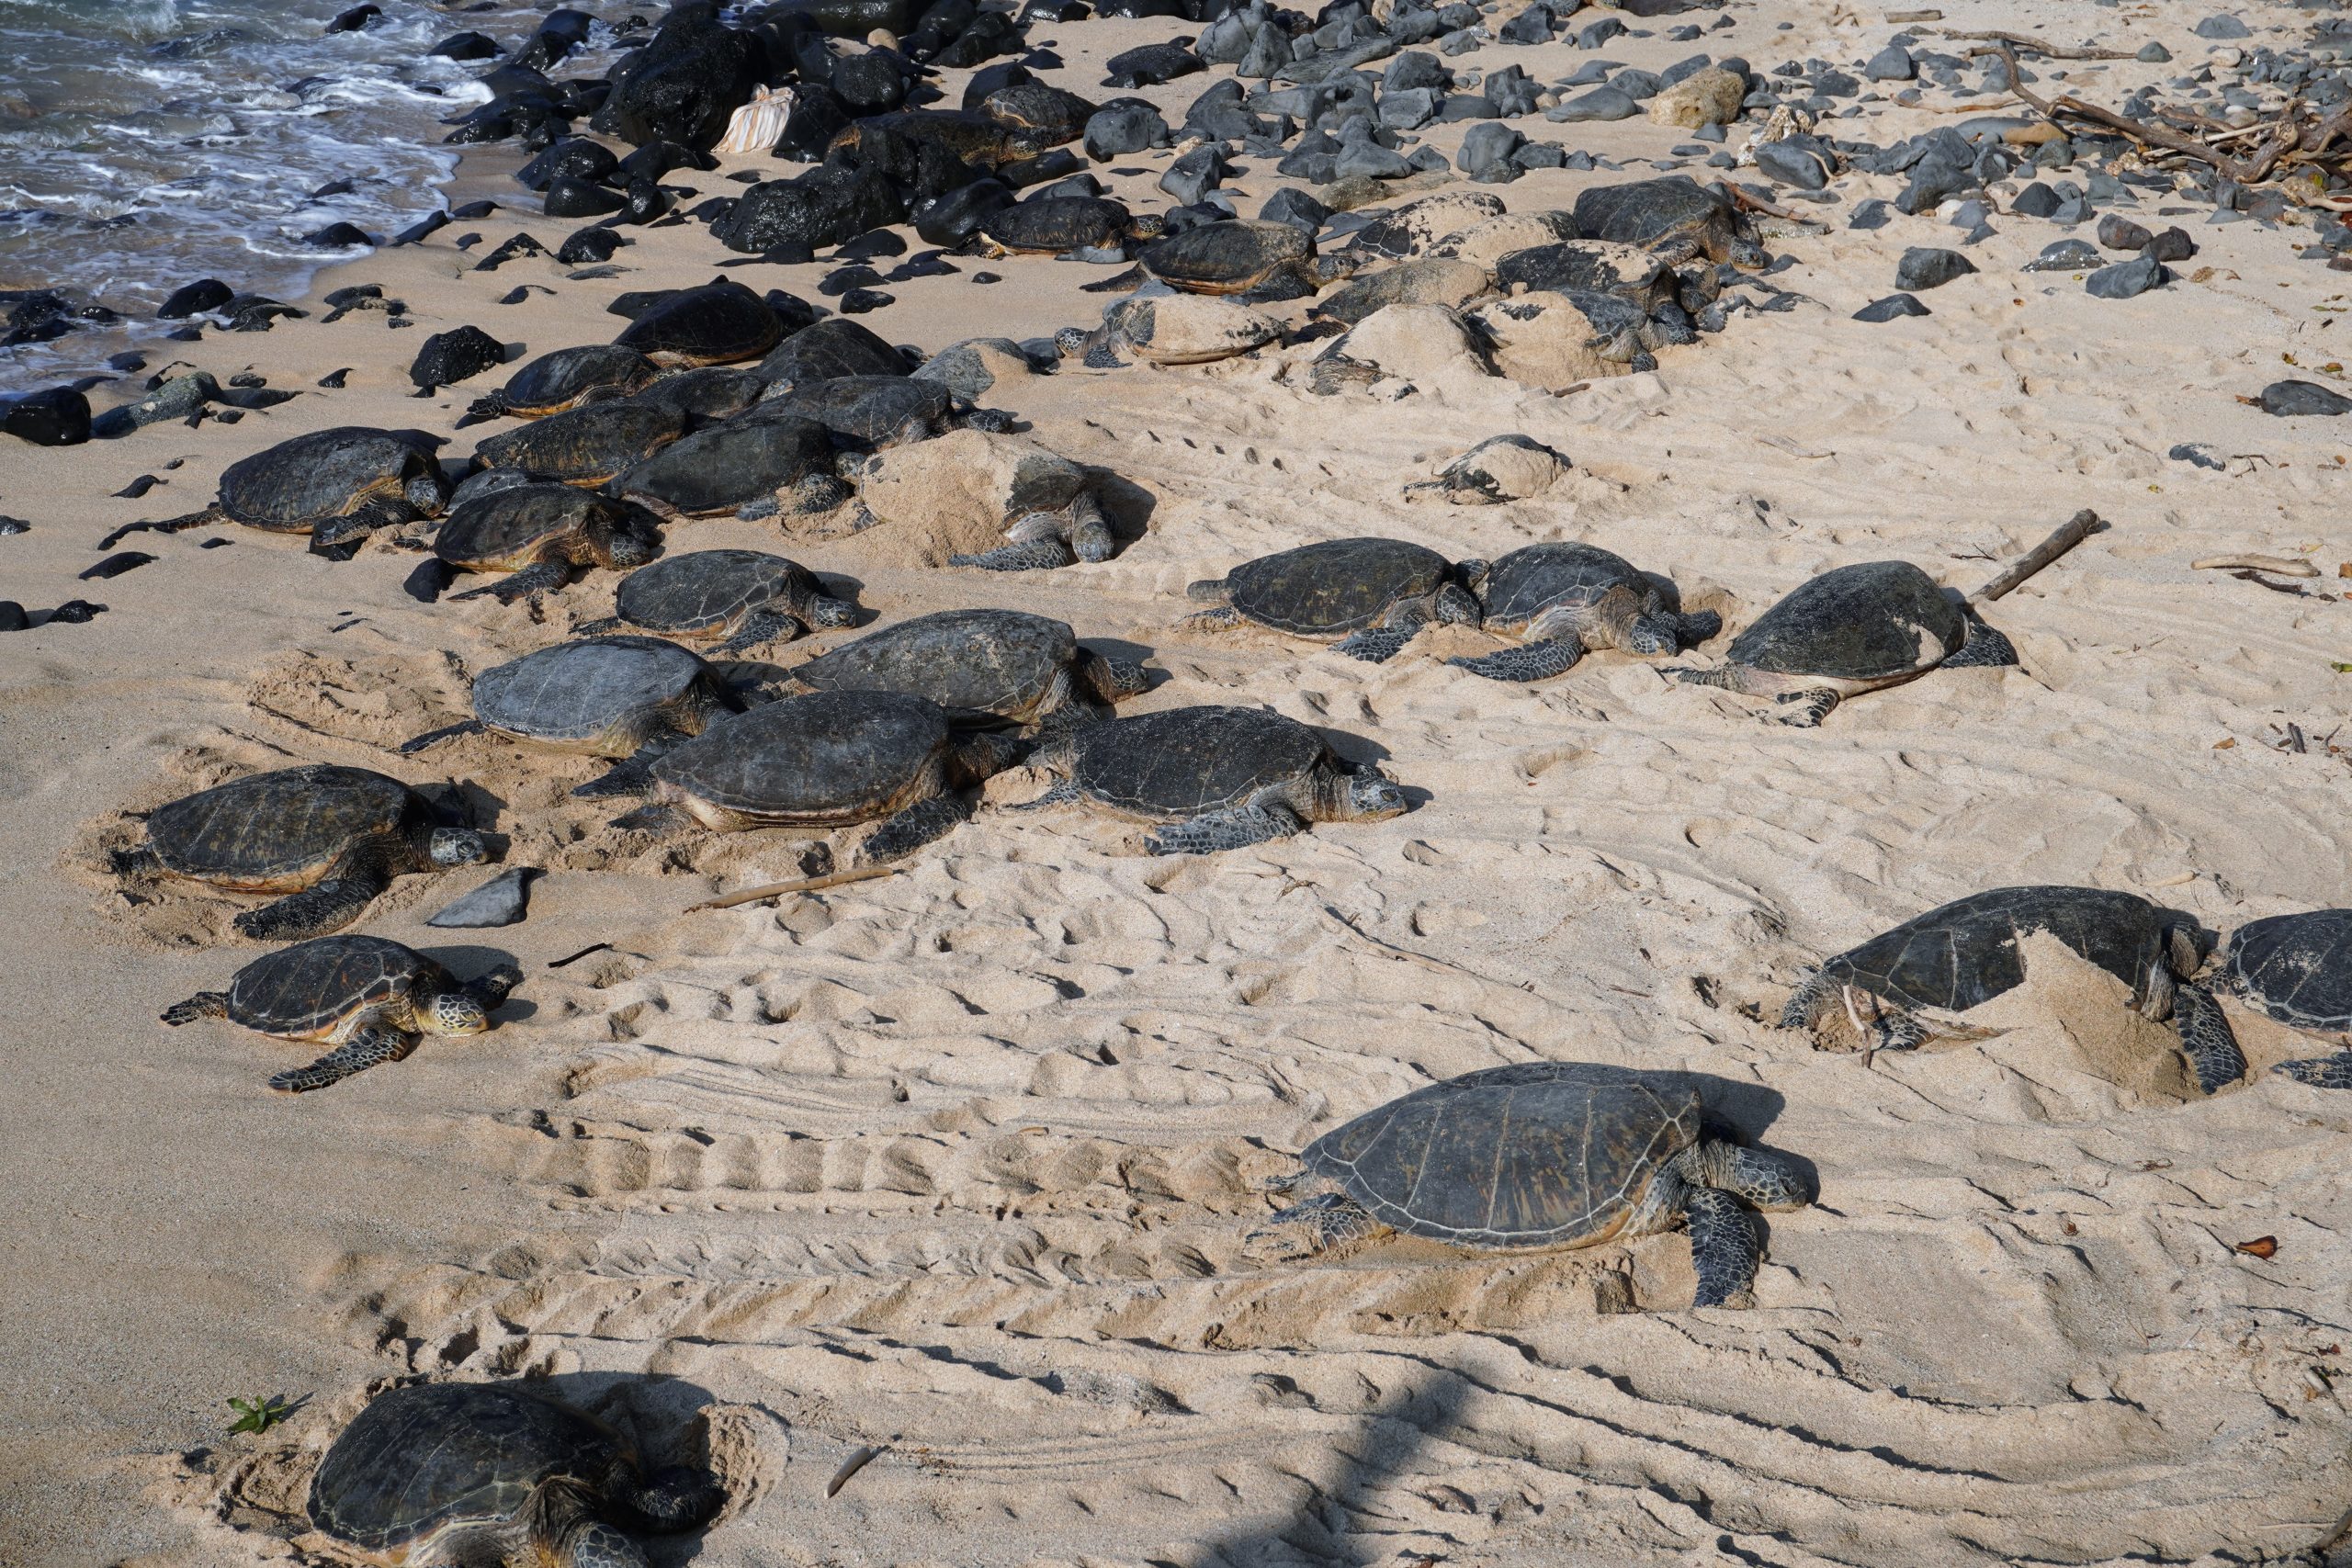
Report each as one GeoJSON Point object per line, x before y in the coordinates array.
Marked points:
{"type": "Point", "coordinates": [567, 378]}
{"type": "Point", "coordinates": [2298, 968]}
{"type": "Point", "coordinates": [1543, 1155]}
{"type": "Point", "coordinates": [632, 698]}
{"type": "Point", "coordinates": [586, 446]}
{"type": "Point", "coordinates": [1899, 988]}
{"type": "Point", "coordinates": [469, 1472]}
{"type": "Point", "coordinates": [1563, 599]}
{"type": "Point", "coordinates": [369, 997]}
{"type": "Point", "coordinates": [983, 667]}
{"type": "Point", "coordinates": [828, 760]}
{"type": "Point", "coordinates": [1060, 225]}
{"type": "Point", "coordinates": [1850, 630]}
{"type": "Point", "coordinates": [1257, 260]}
{"type": "Point", "coordinates": [330, 836]}
{"type": "Point", "coordinates": [1675, 219]}
{"type": "Point", "coordinates": [866, 412]}
{"type": "Point", "coordinates": [1222, 777]}
{"type": "Point", "coordinates": [1179, 329]}
{"type": "Point", "coordinates": [542, 534]}
{"type": "Point", "coordinates": [757, 468]}
{"type": "Point", "coordinates": [1374, 595]}
{"type": "Point", "coordinates": [742, 596]}
{"type": "Point", "coordinates": [1500, 469]}
{"type": "Point", "coordinates": [1629, 273]}
{"type": "Point", "coordinates": [721, 323]}
{"type": "Point", "coordinates": [338, 486]}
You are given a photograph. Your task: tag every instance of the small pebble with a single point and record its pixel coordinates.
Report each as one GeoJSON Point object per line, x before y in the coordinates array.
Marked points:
{"type": "Point", "coordinates": [115, 565]}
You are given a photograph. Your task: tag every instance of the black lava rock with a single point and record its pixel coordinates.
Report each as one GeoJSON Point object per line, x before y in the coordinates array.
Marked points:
{"type": "Point", "coordinates": [1924, 266]}
{"type": "Point", "coordinates": [1890, 308]}
{"type": "Point", "coordinates": [204, 294]}
{"type": "Point", "coordinates": [455, 356]}
{"type": "Point", "coordinates": [2289, 400]}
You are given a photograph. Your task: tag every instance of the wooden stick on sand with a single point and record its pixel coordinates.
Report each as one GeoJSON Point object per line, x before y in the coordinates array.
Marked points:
{"type": "Point", "coordinates": [805, 884]}
{"type": "Point", "coordinates": [2072, 532]}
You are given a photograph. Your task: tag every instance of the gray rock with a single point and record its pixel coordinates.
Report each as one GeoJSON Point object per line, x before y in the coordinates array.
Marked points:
{"type": "Point", "coordinates": [2221, 26]}
{"type": "Point", "coordinates": [2066, 255]}
{"type": "Point", "coordinates": [501, 901]}
{"type": "Point", "coordinates": [1890, 308]}
{"type": "Point", "coordinates": [2174, 244]}
{"type": "Point", "coordinates": [2289, 400]}
{"type": "Point", "coordinates": [2037, 200]}
{"type": "Point", "coordinates": [1485, 153]}
{"type": "Point", "coordinates": [1792, 163]}
{"type": "Point", "coordinates": [1414, 68]}
{"type": "Point", "coordinates": [1924, 266]}
{"type": "Point", "coordinates": [2202, 456]}
{"type": "Point", "coordinates": [1600, 32]}
{"type": "Point", "coordinates": [1290, 205]}
{"type": "Point", "coordinates": [1370, 159]}
{"type": "Point", "coordinates": [2152, 54]}
{"type": "Point", "coordinates": [1600, 104]}
{"type": "Point", "coordinates": [175, 399]}
{"type": "Point", "coordinates": [1871, 214]}
{"type": "Point", "coordinates": [1194, 174]}
{"type": "Point", "coordinates": [1893, 64]}
{"type": "Point", "coordinates": [1118, 129]}
{"type": "Point", "coordinates": [2125, 279]}
{"type": "Point", "coordinates": [1409, 109]}
{"type": "Point", "coordinates": [2117, 232]}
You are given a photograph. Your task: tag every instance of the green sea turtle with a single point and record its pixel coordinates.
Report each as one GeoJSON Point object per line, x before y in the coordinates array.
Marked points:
{"type": "Point", "coordinates": [830, 760]}
{"type": "Point", "coordinates": [1500, 469]}
{"type": "Point", "coordinates": [764, 465]}
{"type": "Point", "coordinates": [337, 485]}
{"type": "Point", "coordinates": [543, 533]}
{"type": "Point", "coordinates": [1674, 218]}
{"type": "Point", "coordinates": [1221, 777]}
{"type": "Point", "coordinates": [1902, 986]}
{"type": "Point", "coordinates": [826, 351]}
{"type": "Point", "coordinates": [456, 1472]}
{"type": "Point", "coordinates": [1638, 277]}
{"type": "Point", "coordinates": [629, 697]}
{"type": "Point", "coordinates": [722, 322]}
{"type": "Point", "coordinates": [1549, 1155]}
{"type": "Point", "coordinates": [866, 412]}
{"type": "Point", "coordinates": [368, 997]}
{"type": "Point", "coordinates": [567, 378]}
{"type": "Point", "coordinates": [1562, 600]}
{"type": "Point", "coordinates": [982, 666]}
{"type": "Point", "coordinates": [1373, 595]}
{"type": "Point", "coordinates": [2298, 969]}
{"type": "Point", "coordinates": [1245, 256]}
{"type": "Point", "coordinates": [1057, 225]}
{"type": "Point", "coordinates": [1178, 329]}
{"type": "Point", "coordinates": [744, 597]}
{"type": "Point", "coordinates": [332, 838]}
{"type": "Point", "coordinates": [586, 446]}
{"type": "Point", "coordinates": [1851, 630]}
{"type": "Point", "coordinates": [1038, 115]}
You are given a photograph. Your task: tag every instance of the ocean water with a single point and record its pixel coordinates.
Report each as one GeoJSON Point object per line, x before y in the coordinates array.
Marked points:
{"type": "Point", "coordinates": [147, 143]}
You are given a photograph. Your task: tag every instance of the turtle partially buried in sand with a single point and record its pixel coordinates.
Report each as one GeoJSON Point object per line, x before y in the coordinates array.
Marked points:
{"type": "Point", "coordinates": [1371, 596]}
{"type": "Point", "coordinates": [543, 535]}
{"type": "Point", "coordinates": [2298, 969]}
{"type": "Point", "coordinates": [368, 997]}
{"type": "Point", "coordinates": [1220, 777]}
{"type": "Point", "coordinates": [983, 667]}
{"type": "Point", "coordinates": [331, 838]}
{"type": "Point", "coordinates": [1563, 599]}
{"type": "Point", "coordinates": [741, 598]}
{"type": "Point", "coordinates": [1549, 1155]}
{"type": "Point", "coordinates": [338, 486]}
{"type": "Point", "coordinates": [1902, 987]}
{"type": "Point", "coordinates": [496, 1473]}
{"type": "Point", "coordinates": [1177, 329]}
{"type": "Point", "coordinates": [1675, 219]}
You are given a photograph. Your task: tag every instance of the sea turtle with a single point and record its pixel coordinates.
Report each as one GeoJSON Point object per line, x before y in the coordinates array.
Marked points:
{"type": "Point", "coordinates": [828, 759]}
{"type": "Point", "coordinates": [367, 996]}
{"type": "Point", "coordinates": [1549, 1155]}
{"type": "Point", "coordinates": [330, 836]}
{"type": "Point", "coordinates": [981, 140]}
{"type": "Point", "coordinates": [1675, 219]}
{"type": "Point", "coordinates": [337, 485]}
{"type": "Point", "coordinates": [496, 1473]}
{"type": "Point", "coordinates": [1179, 329]}
{"type": "Point", "coordinates": [631, 697]}
{"type": "Point", "coordinates": [752, 467]}
{"type": "Point", "coordinates": [1500, 469]}
{"type": "Point", "coordinates": [1899, 988]}
{"type": "Point", "coordinates": [541, 534]}
{"type": "Point", "coordinates": [1851, 630]}
{"type": "Point", "coordinates": [2298, 968]}
{"type": "Point", "coordinates": [1245, 256]}
{"type": "Point", "coordinates": [1221, 777]}
{"type": "Point", "coordinates": [982, 666]}
{"type": "Point", "coordinates": [1374, 595]}
{"type": "Point", "coordinates": [713, 392]}
{"type": "Point", "coordinates": [558, 382]}
{"type": "Point", "coordinates": [1040, 116]}
{"type": "Point", "coordinates": [1639, 277]}
{"type": "Point", "coordinates": [721, 323]}
{"type": "Point", "coordinates": [1057, 225]}
{"type": "Point", "coordinates": [586, 446]}
{"type": "Point", "coordinates": [1562, 600]}
{"type": "Point", "coordinates": [1430, 281]}
{"type": "Point", "coordinates": [866, 412]}
{"type": "Point", "coordinates": [744, 596]}
{"type": "Point", "coordinates": [832, 348]}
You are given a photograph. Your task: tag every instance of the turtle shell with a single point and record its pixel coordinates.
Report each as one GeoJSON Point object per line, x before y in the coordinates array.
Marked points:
{"type": "Point", "coordinates": [2298, 968]}
{"type": "Point", "coordinates": [1874, 621]}
{"type": "Point", "coordinates": [970, 135]}
{"type": "Point", "coordinates": [1536, 1153]}
{"type": "Point", "coordinates": [718, 324]}
{"type": "Point", "coordinates": [587, 445]}
{"type": "Point", "coordinates": [511, 526]}
{"type": "Point", "coordinates": [980, 665]}
{"type": "Point", "coordinates": [729, 464]}
{"type": "Point", "coordinates": [703, 594]}
{"type": "Point", "coordinates": [1051, 223]}
{"type": "Point", "coordinates": [555, 382]}
{"type": "Point", "coordinates": [866, 411]}
{"type": "Point", "coordinates": [1184, 762]}
{"type": "Point", "coordinates": [1536, 577]}
{"type": "Point", "coordinates": [1410, 230]}
{"type": "Point", "coordinates": [1041, 115]}
{"type": "Point", "coordinates": [1966, 952]}
{"type": "Point", "coordinates": [1645, 211]}
{"type": "Point", "coordinates": [296, 485]}
{"type": "Point", "coordinates": [1226, 257]}
{"type": "Point", "coordinates": [599, 694]}
{"type": "Point", "coordinates": [307, 991]}
{"type": "Point", "coordinates": [1335, 587]}
{"type": "Point", "coordinates": [713, 392]}
{"type": "Point", "coordinates": [430, 1457]}
{"type": "Point", "coordinates": [279, 831]}
{"type": "Point", "coordinates": [822, 759]}
{"type": "Point", "coordinates": [827, 351]}
{"type": "Point", "coordinates": [1591, 266]}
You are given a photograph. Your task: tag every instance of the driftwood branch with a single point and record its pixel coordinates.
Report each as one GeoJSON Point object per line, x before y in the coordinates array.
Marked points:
{"type": "Point", "coordinates": [2072, 532]}
{"type": "Point", "coordinates": [2025, 40]}
{"type": "Point", "coordinates": [2285, 136]}
{"type": "Point", "coordinates": [2284, 566]}
{"type": "Point", "coordinates": [805, 884]}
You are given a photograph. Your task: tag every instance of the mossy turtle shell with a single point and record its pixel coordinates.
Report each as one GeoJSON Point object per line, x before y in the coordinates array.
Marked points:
{"type": "Point", "coordinates": [281, 830]}
{"type": "Point", "coordinates": [303, 992]}
{"type": "Point", "coordinates": [1185, 761]}
{"type": "Point", "coordinates": [832, 348]}
{"type": "Point", "coordinates": [1645, 211]}
{"type": "Point", "coordinates": [865, 411]}
{"type": "Point", "coordinates": [1536, 1153]}
{"type": "Point", "coordinates": [718, 323]}
{"type": "Point", "coordinates": [578, 692]}
{"type": "Point", "coordinates": [978, 664]}
{"type": "Point", "coordinates": [1536, 577]}
{"type": "Point", "coordinates": [2298, 968]}
{"type": "Point", "coordinates": [1874, 621]}
{"type": "Point", "coordinates": [1966, 952]}
{"type": "Point", "coordinates": [554, 382]}
{"type": "Point", "coordinates": [298, 484]}
{"type": "Point", "coordinates": [725, 466]}
{"type": "Point", "coordinates": [587, 445]}
{"type": "Point", "coordinates": [708, 589]}
{"type": "Point", "coordinates": [823, 759]}
{"type": "Point", "coordinates": [424, 1458]}
{"type": "Point", "coordinates": [1335, 587]}
{"type": "Point", "coordinates": [1226, 257]}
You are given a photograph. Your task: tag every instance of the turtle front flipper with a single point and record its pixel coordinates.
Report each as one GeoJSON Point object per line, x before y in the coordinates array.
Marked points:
{"type": "Point", "coordinates": [1328, 1219]}
{"type": "Point", "coordinates": [1725, 1248]}
{"type": "Point", "coordinates": [1698, 627]}
{"type": "Point", "coordinates": [2206, 1039]}
{"type": "Point", "coordinates": [371, 1046]}
{"type": "Point", "coordinates": [1231, 830]}
{"type": "Point", "coordinates": [545, 577]}
{"type": "Point", "coordinates": [204, 1004]}
{"type": "Point", "coordinates": [1984, 648]}
{"type": "Point", "coordinates": [758, 627]}
{"type": "Point", "coordinates": [920, 824]}
{"type": "Point", "coordinates": [416, 743]}
{"type": "Point", "coordinates": [1377, 645]}
{"type": "Point", "coordinates": [1036, 555]}
{"type": "Point", "coordinates": [673, 1498]}
{"type": "Point", "coordinates": [570, 1537]}
{"type": "Point", "coordinates": [1807, 708]}
{"type": "Point", "coordinates": [2319, 1071]}
{"type": "Point", "coordinates": [1528, 661]}
{"type": "Point", "coordinates": [634, 774]}
{"type": "Point", "coordinates": [316, 912]}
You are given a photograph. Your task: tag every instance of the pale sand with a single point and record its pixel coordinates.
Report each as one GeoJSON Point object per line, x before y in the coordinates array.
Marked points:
{"type": "Point", "coordinates": [960, 1162]}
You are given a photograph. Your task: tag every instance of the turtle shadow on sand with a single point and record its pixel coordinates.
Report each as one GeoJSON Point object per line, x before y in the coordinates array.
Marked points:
{"type": "Point", "coordinates": [1126, 505]}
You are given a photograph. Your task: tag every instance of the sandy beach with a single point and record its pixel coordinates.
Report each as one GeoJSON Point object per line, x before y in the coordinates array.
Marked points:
{"type": "Point", "coordinates": [959, 1165]}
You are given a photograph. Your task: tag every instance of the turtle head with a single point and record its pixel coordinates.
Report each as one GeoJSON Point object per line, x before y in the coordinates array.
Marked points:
{"type": "Point", "coordinates": [828, 612]}
{"type": "Point", "coordinates": [1073, 342]}
{"type": "Point", "coordinates": [626, 539]}
{"type": "Point", "coordinates": [456, 846]}
{"type": "Point", "coordinates": [1652, 634]}
{"type": "Point", "coordinates": [1373, 795]}
{"type": "Point", "coordinates": [1750, 256]}
{"type": "Point", "coordinates": [456, 1012]}
{"type": "Point", "coordinates": [425, 491]}
{"type": "Point", "coordinates": [2188, 945]}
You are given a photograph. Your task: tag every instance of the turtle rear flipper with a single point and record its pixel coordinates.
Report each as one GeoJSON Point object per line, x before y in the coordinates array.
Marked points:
{"type": "Point", "coordinates": [1985, 649]}
{"type": "Point", "coordinates": [204, 1004]}
{"type": "Point", "coordinates": [2206, 1039]}
{"type": "Point", "coordinates": [416, 743]}
{"type": "Point", "coordinates": [373, 1044]}
{"type": "Point", "coordinates": [634, 774]}
{"type": "Point", "coordinates": [2320, 1072]}
{"type": "Point", "coordinates": [1724, 1249]}
{"type": "Point", "coordinates": [1231, 830]}
{"type": "Point", "coordinates": [353, 527]}
{"type": "Point", "coordinates": [920, 824]}
{"type": "Point", "coordinates": [316, 912]}
{"type": "Point", "coordinates": [609, 623]}
{"type": "Point", "coordinates": [1529, 661]}
{"type": "Point", "coordinates": [528, 583]}
{"type": "Point", "coordinates": [1806, 709]}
